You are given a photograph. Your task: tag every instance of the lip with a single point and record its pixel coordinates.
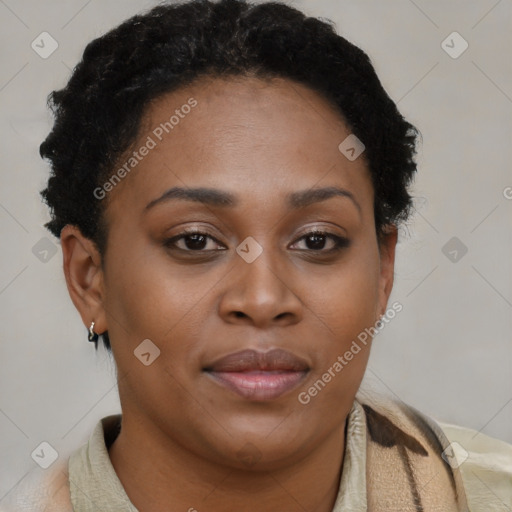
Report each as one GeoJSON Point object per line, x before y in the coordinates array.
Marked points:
{"type": "Point", "coordinates": [259, 376]}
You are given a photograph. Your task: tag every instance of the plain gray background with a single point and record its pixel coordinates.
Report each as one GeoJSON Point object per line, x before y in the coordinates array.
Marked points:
{"type": "Point", "coordinates": [448, 353]}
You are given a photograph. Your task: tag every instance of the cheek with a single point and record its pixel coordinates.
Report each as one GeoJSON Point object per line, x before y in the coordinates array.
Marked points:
{"type": "Point", "coordinates": [347, 301]}
{"type": "Point", "coordinates": [148, 298]}
{"type": "Point", "coordinates": [346, 307]}
{"type": "Point", "coordinates": [135, 299]}
{"type": "Point", "coordinates": [347, 314]}
{"type": "Point", "coordinates": [149, 301]}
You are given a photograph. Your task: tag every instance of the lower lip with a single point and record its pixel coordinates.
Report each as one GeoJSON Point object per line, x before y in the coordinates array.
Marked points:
{"type": "Point", "coordinates": [260, 385]}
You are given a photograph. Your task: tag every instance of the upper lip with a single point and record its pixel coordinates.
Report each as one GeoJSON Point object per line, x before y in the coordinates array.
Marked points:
{"type": "Point", "coordinates": [251, 360]}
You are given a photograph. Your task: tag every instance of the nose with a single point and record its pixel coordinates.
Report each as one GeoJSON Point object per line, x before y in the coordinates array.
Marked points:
{"type": "Point", "coordinates": [261, 294]}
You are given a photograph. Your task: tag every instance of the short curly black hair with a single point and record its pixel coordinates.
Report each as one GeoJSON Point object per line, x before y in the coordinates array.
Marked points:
{"type": "Point", "coordinates": [98, 113]}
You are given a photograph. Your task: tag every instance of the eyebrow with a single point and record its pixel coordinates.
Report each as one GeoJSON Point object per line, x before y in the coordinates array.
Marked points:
{"type": "Point", "coordinates": [221, 198]}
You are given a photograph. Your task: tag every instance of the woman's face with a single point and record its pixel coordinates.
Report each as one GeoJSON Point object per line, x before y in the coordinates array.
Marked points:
{"type": "Point", "coordinates": [254, 280]}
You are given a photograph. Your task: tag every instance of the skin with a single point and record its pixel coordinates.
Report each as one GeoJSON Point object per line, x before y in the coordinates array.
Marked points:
{"type": "Point", "coordinates": [181, 432]}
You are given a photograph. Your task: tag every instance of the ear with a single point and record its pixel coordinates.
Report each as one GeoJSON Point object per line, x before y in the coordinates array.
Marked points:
{"type": "Point", "coordinates": [84, 277]}
{"type": "Point", "coordinates": [387, 244]}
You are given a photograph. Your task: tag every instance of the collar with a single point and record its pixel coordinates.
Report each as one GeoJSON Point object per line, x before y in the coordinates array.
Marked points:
{"type": "Point", "coordinates": [94, 484]}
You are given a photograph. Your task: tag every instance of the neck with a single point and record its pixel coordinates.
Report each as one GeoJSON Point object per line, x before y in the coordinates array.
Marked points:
{"type": "Point", "coordinates": [155, 472]}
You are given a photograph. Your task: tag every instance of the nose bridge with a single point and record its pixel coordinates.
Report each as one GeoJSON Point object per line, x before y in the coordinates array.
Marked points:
{"type": "Point", "coordinates": [258, 269]}
{"type": "Point", "coordinates": [259, 287]}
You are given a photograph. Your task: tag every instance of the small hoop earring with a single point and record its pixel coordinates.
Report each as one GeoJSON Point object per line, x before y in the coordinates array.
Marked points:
{"type": "Point", "coordinates": [93, 336]}
{"type": "Point", "coordinates": [379, 324]}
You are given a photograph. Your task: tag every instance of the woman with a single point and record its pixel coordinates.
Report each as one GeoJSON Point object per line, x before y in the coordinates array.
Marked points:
{"type": "Point", "coordinates": [227, 184]}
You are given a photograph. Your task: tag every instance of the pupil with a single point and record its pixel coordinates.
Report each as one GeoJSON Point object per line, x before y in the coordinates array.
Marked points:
{"type": "Point", "coordinates": [196, 239]}
{"type": "Point", "coordinates": [317, 244]}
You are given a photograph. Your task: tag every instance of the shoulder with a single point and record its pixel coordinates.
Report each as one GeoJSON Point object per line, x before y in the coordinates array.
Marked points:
{"type": "Point", "coordinates": [41, 490]}
{"type": "Point", "coordinates": [48, 490]}
{"type": "Point", "coordinates": [485, 464]}
{"type": "Point", "coordinates": [481, 465]}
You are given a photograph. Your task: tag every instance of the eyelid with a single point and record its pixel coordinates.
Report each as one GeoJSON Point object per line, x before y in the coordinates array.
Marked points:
{"type": "Point", "coordinates": [319, 229]}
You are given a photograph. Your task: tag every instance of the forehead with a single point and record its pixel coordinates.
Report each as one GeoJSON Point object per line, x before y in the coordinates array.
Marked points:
{"type": "Point", "coordinates": [274, 115]}
{"type": "Point", "coordinates": [257, 138]}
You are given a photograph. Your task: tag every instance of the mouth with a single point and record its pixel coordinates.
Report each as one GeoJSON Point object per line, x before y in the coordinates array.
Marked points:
{"type": "Point", "coordinates": [259, 376]}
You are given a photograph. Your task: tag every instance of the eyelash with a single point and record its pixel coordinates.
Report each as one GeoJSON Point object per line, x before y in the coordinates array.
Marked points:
{"type": "Point", "coordinates": [339, 242]}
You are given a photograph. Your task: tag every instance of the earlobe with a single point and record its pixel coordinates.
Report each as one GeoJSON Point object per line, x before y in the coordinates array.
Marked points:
{"type": "Point", "coordinates": [84, 276]}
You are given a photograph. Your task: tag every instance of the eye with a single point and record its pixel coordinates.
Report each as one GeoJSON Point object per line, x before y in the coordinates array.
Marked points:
{"type": "Point", "coordinates": [192, 241]}
{"type": "Point", "coordinates": [198, 241]}
{"type": "Point", "coordinates": [316, 241]}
